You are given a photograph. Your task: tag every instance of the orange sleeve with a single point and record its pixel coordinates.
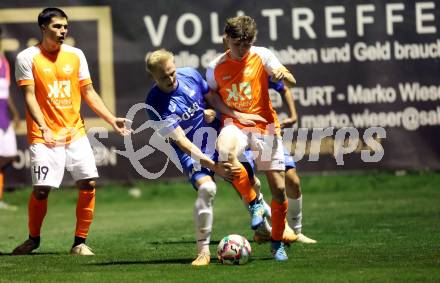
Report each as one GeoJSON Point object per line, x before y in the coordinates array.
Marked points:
{"type": "Point", "coordinates": [25, 82]}
{"type": "Point", "coordinates": [85, 82]}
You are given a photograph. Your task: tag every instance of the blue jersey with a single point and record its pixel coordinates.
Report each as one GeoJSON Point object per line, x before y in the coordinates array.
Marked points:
{"type": "Point", "coordinates": [183, 107]}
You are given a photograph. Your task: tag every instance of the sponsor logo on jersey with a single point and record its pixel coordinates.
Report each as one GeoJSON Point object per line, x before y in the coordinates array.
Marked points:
{"type": "Point", "coordinates": [67, 69]}
{"type": "Point", "coordinates": [190, 112]}
{"type": "Point", "coordinates": [59, 89]}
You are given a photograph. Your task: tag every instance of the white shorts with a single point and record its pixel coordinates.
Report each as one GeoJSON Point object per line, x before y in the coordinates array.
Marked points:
{"type": "Point", "coordinates": [8, 143]}
{"type": "Point", "coordinates": [48, 163]}
{"type": "Point", "coordinates": [267, 149]}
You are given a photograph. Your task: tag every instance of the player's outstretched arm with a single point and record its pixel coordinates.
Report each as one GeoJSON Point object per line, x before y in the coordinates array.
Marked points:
{"type": "Point", "coordinates": [97, 105]}
{"type": "Point", "coordinates": [225, 170]}
{"type": "Point", "coordinates": [246, 119]}
{"type": "Point", "coordinates": [36, 114]}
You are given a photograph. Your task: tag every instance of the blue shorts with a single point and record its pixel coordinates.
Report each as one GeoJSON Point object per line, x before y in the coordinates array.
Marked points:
{"type": "Point", "coordinates": [288, 160]}
{"type": "Point", "coordinates": [192, 169]}
{"type": "Point", "coordinates": [250, 166]}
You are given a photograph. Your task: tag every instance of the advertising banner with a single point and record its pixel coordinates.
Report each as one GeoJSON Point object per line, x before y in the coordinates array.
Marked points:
{"type": "Point", "coordinates": [368, 85]}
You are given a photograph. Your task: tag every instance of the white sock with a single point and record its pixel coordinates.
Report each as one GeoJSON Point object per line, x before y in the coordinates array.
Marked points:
{"type": "Point", "coordinates": [294, 214]}
{"type": "Point", "coordinates": [203, 215]}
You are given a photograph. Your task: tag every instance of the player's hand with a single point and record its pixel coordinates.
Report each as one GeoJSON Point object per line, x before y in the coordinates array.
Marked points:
{"type": "Point", "coordinates": [249, 119]}
{"type": "Point", "coordinates": [227, 170]}
{"type": "Point", "coordinates": [122, 126]}
{"type": "Point", "coordinates": [16, 123]}
{"type": "Point", "coordinates": [288, 122]}
{"type": "Point", "coordinates": [277, 75]}
{"type": "Point", "coordinates": [209, 115]}
{"type": "Point", "coordinates": [49, 140]}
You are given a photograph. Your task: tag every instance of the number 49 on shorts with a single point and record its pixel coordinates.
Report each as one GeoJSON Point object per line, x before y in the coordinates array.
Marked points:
{"type": "Point", "coordinates": [41, 172]}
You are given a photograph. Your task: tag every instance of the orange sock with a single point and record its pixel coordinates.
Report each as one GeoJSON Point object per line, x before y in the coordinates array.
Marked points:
{"type": "Point", "coordinates": [37, 210]}
{"type": "Point", "coordinates": [279, 212]}
{"type": "Point", "coordinates": [1, 184]}
{"type": "Point", "coordinates": [84, 212]}
{"type": "Point", "coordinates": [243, 186]}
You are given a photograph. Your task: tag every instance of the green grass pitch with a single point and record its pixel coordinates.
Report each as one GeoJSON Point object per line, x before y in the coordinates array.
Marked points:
{"type": "Point", "coordinates": [370, 228]}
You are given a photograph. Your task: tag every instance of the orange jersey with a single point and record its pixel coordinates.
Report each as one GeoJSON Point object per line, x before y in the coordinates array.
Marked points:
{"type": "Point", "coordinates": [244, 85]}
{"type": "Point", "coordinates": [57, 80]}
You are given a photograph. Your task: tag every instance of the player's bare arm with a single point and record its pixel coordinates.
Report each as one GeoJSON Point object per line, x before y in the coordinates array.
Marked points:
{"type": "Point", "coordinates": [246, 119]}
{"type": "Point", "coordinates": [288, 99]}
{"type": "Point", "coordinates": [36, 114]}
{"type": "Point", "coordinates": [225, 170]}
{"type": "Point", "coordinates": [97, 105]}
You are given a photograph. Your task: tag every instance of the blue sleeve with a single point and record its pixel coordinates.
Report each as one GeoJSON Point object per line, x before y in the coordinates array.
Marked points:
{"type": "Point", "coordinates": [278, 86]}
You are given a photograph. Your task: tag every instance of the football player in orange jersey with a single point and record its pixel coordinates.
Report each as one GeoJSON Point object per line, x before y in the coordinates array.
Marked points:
{"type": "Point", "coordinates": [240, 77]}
{"type": "Point", "coordinates": [293, 187]}
{"type": "Point", "coordinates": [54, 77]}
{"type": "Point", "coordinates": [293, 183]}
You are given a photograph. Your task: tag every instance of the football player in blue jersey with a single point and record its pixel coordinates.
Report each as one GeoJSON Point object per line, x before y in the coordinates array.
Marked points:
{"type": "Point", "coordinates": [177, 102]}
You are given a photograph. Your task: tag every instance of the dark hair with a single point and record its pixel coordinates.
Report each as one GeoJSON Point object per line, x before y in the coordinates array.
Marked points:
{"type": "Point", "coordinates": [47, 14]}
{"type": "Point", "coordinates": [1, 30]}
{"type": "Point", "coordinates": [241, 27]}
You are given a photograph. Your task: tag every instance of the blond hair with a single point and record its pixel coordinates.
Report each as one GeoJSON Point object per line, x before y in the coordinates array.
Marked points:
{"type": "Point", "coordinates": [157, 57]}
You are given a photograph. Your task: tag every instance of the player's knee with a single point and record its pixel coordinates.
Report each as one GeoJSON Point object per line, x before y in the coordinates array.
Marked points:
{"type": "Point", "coordinates": [296, 182]}
{"type": "Point", "coordinates": [279, 194]}
{"type": "Point", "coordinates": [208, 189]}
{"type": "Point", "coordinates": [89, 184]}
{"type": "Point", "coordinates": [227, 151]}
{"type": "Point", "coordinates": [226, 154]}
{"type": "Point", "coordinates": [41, 193]}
